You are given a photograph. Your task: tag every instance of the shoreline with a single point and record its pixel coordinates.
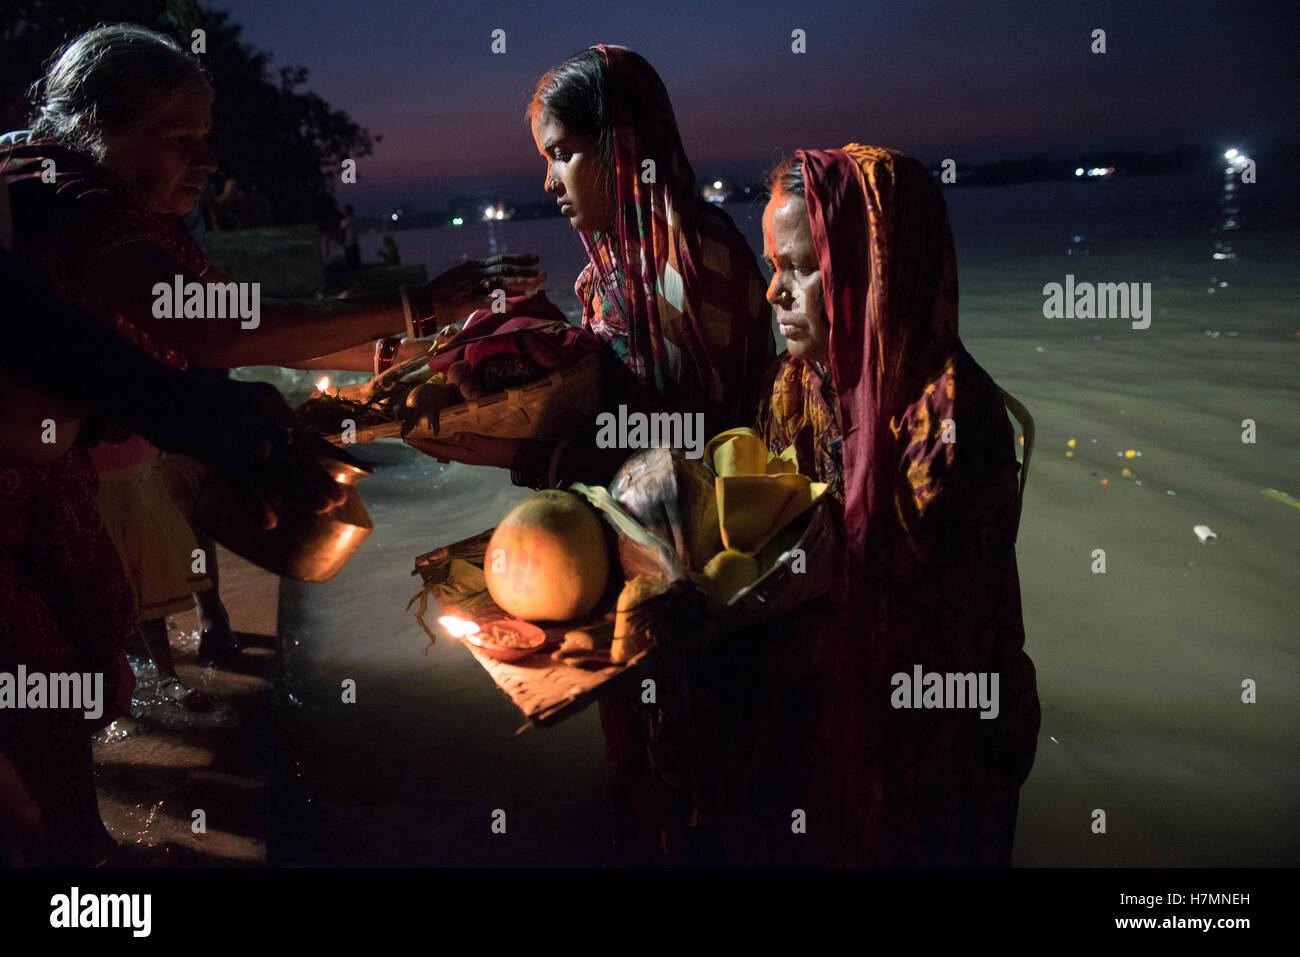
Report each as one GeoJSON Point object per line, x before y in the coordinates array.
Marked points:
{"type": "Point", "coordinates": [156, 768]}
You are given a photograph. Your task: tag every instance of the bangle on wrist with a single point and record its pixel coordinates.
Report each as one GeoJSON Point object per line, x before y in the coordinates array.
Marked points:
{"type": "Point", "coordinates": [421, 320]}
{"type": "Point", "coordinates": [385, 353]}
{"type": "Point", "coordinates": [552, 470]}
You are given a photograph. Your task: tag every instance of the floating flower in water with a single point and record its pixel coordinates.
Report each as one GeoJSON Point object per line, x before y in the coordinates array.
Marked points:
{"type": "Point", "coordinates": [1071, 443]}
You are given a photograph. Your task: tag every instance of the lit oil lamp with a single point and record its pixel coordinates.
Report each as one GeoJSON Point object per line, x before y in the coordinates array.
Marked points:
{"type": "Point", "coordinates": [505, 639]}
{"type": "Point", "coordinates": [460, 627]}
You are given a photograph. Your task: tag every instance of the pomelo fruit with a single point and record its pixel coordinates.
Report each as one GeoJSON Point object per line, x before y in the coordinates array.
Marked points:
{"type": "Point", "coordinates": [547, 560]}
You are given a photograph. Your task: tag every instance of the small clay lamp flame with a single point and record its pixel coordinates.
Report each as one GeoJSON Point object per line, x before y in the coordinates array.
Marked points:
{"type": "Point", "coordinates": [323, 384]}
{"type": "Point", "coordinates": [460, 628]}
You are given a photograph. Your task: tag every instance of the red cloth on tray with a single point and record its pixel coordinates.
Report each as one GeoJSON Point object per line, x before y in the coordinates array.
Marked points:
{"type": "Point", "coordinates": [531, 326]}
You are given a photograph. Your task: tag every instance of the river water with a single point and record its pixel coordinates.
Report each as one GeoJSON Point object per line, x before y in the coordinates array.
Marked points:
{"type": "Point", "coordinates": [1140, 669]}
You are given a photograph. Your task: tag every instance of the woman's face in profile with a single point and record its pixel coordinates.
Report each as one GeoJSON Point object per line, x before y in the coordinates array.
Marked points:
{"type": "Point", "coordinates": [795, 291]}
{"type": "Point", "coordinates": [574, 173]}
{"type": "Point", "coordinates": [166, 161]}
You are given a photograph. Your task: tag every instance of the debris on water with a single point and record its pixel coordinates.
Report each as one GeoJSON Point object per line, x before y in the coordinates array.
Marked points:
{"type": "Point", "coordinates": [1205, 534]}
{"type": "Point", "coordinates": [1281, 497]}
{"type": "Point", "coordinates": [1212, 335]}
{"type": "Point", "coordinates": [1105, 481]}
{"type": "Point", "coordinates": [1054, 741]}
{"type": "Point", "coordinates": [1170, 491]}
{"type": "Point", "coordinates": [1069, 455]}
{"type": "Point", "coordinates": [1038, 348]}
{"type": "Point", "coordinates": [1131, 453]}
{"type": "Point", "coordinates": [1126, 473]}
{"type": "Point", "coordinates": [1070, 442]}
{"type": "Point", "coordinates": [1137, 482]}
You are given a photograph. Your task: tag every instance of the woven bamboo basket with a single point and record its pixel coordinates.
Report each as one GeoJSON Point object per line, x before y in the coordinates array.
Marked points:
{"type": "Point", "coordinates": [816, 539]}
{"type": "Point", "coordinates": [551, 408]}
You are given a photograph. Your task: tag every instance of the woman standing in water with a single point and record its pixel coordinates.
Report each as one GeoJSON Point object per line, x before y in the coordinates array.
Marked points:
{"type": "Point", "coordinates": [865, 291]}
{"type": "Point", "coordinates": [671, 285]}
{"type": "Point", "coordinates": [675, 292]}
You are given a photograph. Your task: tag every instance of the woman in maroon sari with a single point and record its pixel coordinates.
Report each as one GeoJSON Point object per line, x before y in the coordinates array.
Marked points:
{"type": "Point", "coordinates": [878, 386]}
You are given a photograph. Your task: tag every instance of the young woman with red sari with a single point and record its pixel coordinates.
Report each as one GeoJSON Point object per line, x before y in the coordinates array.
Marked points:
{"type": "Point", "coordinates": [877, 387]}
{"type": "Point", "coordinates": [671, 286]}
{"type": "Point", "coordinates": [674, 292]}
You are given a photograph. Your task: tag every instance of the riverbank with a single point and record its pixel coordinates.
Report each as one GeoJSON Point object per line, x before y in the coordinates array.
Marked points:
{"type": "Point", "coordinates": [155, 769]}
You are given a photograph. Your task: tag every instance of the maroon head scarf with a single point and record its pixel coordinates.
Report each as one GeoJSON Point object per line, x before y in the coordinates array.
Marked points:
{"type": "Point", "coordinates": [672, 286]}
{"type": "Point", "coordinates": [888, 274]}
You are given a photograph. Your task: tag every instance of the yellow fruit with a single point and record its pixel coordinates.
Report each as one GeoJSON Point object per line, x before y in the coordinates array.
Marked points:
{"type": "Point", "coordinates": [547, 560]}
{"type": "Point", "coordinates": [629, 641]}
{"type": "Point", "coordinates": [727, 573]}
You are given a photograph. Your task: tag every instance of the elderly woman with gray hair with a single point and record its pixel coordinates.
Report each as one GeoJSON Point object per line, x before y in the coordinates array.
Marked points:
{"type": "Point", "coordinates": [120, 131]}
{"type": "Point", "coordinates": [117, 154]}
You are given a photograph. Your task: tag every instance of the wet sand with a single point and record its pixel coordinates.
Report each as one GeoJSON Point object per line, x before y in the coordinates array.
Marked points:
{"type": "Point", "coordinates": [155, 768]}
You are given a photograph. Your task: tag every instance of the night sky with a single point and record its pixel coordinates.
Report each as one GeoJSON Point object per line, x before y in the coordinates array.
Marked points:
{"type": "Point", "coordinates": [976, 82]}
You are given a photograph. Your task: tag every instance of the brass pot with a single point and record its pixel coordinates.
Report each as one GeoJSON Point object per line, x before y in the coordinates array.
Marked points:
{"type": "Point", "coordinates": [305, 546]}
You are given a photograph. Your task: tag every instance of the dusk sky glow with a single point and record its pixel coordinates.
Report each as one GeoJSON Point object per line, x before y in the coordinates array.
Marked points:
{"type": "Point", "coordinates": [977, 82]}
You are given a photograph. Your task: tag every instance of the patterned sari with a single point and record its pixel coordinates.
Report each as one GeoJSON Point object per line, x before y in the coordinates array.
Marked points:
{"type": "Point", "coordinates": [65, 607]}
{"type": "Point", "coordinates": [931, 515]}
{"type": "Point", "coordinates": [673, 288]}
{"type": "Point", "coordinates": [675, 292]}
{"type": "Point", "coordinates": [64, 228]}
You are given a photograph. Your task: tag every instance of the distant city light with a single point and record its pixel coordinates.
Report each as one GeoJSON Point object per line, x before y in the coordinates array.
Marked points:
{"type": "Point", "coordinates": [457, 221]}
{"type": "Point", "coordinates": [394, 217]}
{"type": "Point", "coordinates": [1237, 158]}
{"type": "Point", "coordinates": [717, 184]}
{"type": "Point", "coordinates": [1078, 171]}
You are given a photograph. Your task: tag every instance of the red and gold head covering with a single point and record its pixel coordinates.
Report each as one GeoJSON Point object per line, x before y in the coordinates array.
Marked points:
{"type": "Point", "coordinates": [673, 286]}
{"type": "Point", "coordinates": [930, 518]}
{"type": "Point", "coordinates": [889, 280]}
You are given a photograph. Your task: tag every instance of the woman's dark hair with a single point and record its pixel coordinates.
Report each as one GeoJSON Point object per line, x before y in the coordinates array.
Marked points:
{"type": "Point", "coordinates": [787, 177]}
{"type": "Point", "coordinates": [574, 93]}
{"type": "Point", "coordinates": [106, 82]}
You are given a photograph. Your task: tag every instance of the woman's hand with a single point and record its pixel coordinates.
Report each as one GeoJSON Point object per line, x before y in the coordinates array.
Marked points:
{"type": "Point", "coordinates": [464, 288]}
{"type": "Point", "coordinates": [248, 434]}
{"type": "Point", "coordinates": [470, 448]}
